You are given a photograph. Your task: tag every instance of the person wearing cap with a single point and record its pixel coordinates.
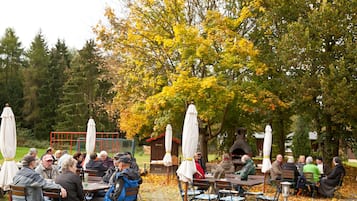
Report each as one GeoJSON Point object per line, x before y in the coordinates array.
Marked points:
{"type": "Point", "coordinates": [133, 164]}
{"type": "Point", "coordinates": [33, 182]}
{"type": "Point", "coordinates": [107, 161]}
{"type": "Point", "coordinates": [46, 168]}
{"type": "Point", "coordinates": [108, 177]}
{"type": "Point", "coordinates": [125, 171]}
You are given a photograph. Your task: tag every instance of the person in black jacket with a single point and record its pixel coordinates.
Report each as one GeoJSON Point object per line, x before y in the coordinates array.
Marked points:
{"type": "Point", "coordinates": [108, 177]}
{"type": "Point", "coordinates": [95, 164]}
{"type": "Point", "coordinates": [71, 181]}
{"type": "Point", "coordinates": [328, 184]}
{"type": "Point", "coordinates": [290, 165]}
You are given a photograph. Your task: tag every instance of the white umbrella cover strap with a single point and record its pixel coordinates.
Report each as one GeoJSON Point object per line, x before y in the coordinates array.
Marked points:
{"type": "Point", "coordinates": [168, 144]}
{"type": "Point", "coordinates": [90, 140]}
{"type": "Point", "coordinates": [8, 147]}
{"type": "Point", "coordinates": [189, 145]}
{"type": "Point", "coordinates": [267, 149]}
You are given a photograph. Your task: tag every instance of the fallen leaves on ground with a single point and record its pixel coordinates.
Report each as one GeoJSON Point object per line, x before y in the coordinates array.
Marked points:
{"type": "Point", "coordinates": [157, 188]}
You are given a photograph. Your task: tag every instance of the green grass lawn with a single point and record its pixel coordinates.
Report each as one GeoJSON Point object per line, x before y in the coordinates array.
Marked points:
{"type": "Point", "coordinates": [21, 152]}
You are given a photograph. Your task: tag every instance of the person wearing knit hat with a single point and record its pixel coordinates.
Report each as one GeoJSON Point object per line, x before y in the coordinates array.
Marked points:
{"type": "Point", "coordinates": [33, 182]}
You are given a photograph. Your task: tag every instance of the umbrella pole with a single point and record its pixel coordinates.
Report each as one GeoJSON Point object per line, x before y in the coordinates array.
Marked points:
{"type": "Point", "coordinates": [186, 187]}
{"type": "Point", "coordinates": [168, 175]}
{"type": "Point", "coordinates": [265, 177]}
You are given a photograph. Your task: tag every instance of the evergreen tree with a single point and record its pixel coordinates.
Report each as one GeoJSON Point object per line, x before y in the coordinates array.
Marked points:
{"type": "Point", "coordinates": [79, 91]}
{"type": "Point", "coordinates": [301, 144]}
{"type": "Point", "coordinates": [35, 83]}
{"type": "Point", "coordinates": [11, 63]}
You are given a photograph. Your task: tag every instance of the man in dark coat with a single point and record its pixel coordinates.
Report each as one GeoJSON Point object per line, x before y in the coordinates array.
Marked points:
{"type": "Point", "coordinates": [95, 164]}
{"type": "Point", "coordinates": [328, 184]}
{"type": "Point", "coordinates": [290, 165]}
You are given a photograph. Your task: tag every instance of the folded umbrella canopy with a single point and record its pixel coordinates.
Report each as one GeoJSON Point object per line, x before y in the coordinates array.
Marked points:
{"type": "Point", "coordinates": [189, 145]}
{"type": "Point", "coordinates": [168, 144]}
{"type": "Point", "coordinates": [90, 140]}
{"type": "Point", "coordinates": [8, 147]}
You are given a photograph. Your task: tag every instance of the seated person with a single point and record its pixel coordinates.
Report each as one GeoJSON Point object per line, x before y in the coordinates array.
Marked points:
{"type": "Point", "coordinates": [95, 164]}
{"type": "Point", "coordinates": [133, 164]}
{"type": "Point", "coordinates": [276, 168]}
{"type": "Point", "coordinates": [78, 156]}
{"type": "Point", "coordinates": [201, 161]}
{"type": "Point", "coordinates": [310, 167]}
{"type": "Point", "coordinates": [71, 181]}
{"type": "Point", "coordinates": [107, 161]}
{"type": "Point", "coordinates": [46, 168]}
{"type": "Point", "coordinates": [323, 168]}
{"type": "Point", "coordinates": [248, 168]}
{"type": "Point", "coordinates": [226, 165]}
{"type": "Point", "coordinates": [33, 182]}
{"type": "Point", "coordinates": [290, 165]}
{"type": "Point", "coordinates": [300, 164]}
{"type": "Point", "coordinates": [328, 183]}
{"type": "Point", "coordinates": [108, 177]}
{"type": "Point", "coordinates": [125, 175]}
{"type": "Point", "coordinates": [200, 174]}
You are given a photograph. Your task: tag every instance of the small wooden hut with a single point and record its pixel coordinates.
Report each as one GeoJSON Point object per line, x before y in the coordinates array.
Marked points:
{"type": "Point", "coordinates": [157, 153]}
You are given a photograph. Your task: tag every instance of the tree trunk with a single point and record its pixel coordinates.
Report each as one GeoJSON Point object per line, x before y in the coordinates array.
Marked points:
{"type": "Point", "coordinates": [203, 143]}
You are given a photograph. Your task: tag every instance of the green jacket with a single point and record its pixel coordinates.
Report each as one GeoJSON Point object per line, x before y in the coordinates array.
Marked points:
{"type": "Point", "coordinates": [248, 169]}
{"type": "Point", "coordinates": [315, 171]}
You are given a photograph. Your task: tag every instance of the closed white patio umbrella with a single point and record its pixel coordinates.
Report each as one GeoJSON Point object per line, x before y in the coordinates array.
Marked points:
{"type": "Point", "coordinates": [168, 144]}
{"type": "Point", "coordinates": [90, 140]}
{"type": "Point", "coordinates": [266, 152]}
{"type": "Point", "coordinates": [189, 146]}
{"type": "Point", "coordinates": [8, 147]}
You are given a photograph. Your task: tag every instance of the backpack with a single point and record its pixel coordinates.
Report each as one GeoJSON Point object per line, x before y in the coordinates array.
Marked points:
{"type": "Point", "coordinates": [109, 195]}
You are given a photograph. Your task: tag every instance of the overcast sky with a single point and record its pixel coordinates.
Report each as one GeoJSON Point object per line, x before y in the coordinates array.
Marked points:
{"type": "Point", "coordinates": [71, 20]}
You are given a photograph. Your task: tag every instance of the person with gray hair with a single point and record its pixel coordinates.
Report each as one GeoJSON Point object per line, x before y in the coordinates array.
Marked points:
{"type": "Point", "coordinates": [328, 183]}
{"type": "Point", "coordinates": [107, 161]}
{"type": "Point", "coordinates": [248, 168]}
{"type": "Point", "coordinates": [33, 152]}
{"type": "Point", "coordinates": [277, 168]}
{"type": "Point", "coordinates": [310, 167]}
{"type": "Point", "coordinates": [33, 182]}
{"type": "Point", "coordinates": [71, 181]}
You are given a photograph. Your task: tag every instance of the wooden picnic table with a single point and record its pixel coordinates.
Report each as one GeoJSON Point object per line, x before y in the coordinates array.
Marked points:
{"type": "Point", "coordinates": [251, 181]}
{"type": "Point", "coordinates": [93, 187]}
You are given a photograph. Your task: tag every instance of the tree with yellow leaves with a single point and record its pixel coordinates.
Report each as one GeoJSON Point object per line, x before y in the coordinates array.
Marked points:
{"type": "Point", "coordinates": [165, 54]}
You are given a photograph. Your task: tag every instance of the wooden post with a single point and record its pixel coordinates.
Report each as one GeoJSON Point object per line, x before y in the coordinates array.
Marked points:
{"type": "Point", "coordinates": [168, 175]}
{"type": "Point", "coordinates": [186, 187]}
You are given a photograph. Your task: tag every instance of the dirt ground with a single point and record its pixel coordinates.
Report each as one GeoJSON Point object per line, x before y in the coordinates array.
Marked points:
{"type": "Point", "coordinates": [156, 188]}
